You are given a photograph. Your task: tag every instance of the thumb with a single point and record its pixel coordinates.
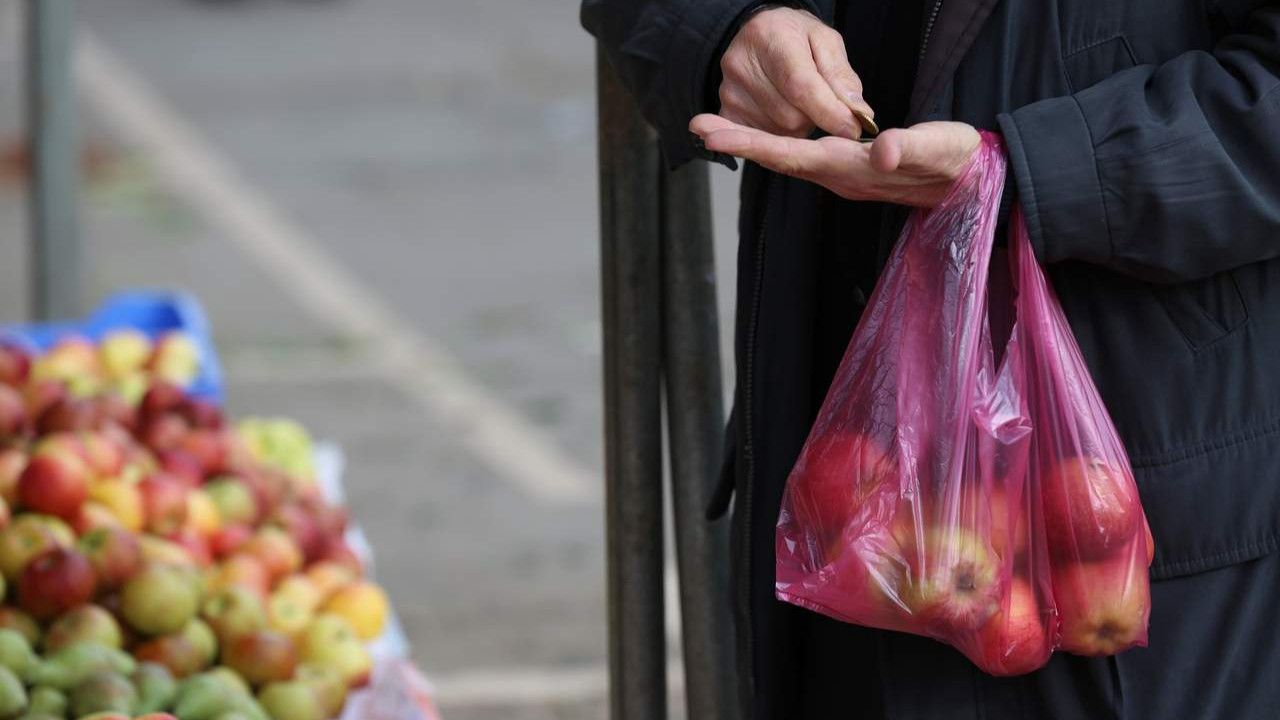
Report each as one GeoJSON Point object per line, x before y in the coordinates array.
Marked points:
{"type": "Point", "coordinates": [888, 150]}
{"type": "Point", "coordinates": [927, 147]}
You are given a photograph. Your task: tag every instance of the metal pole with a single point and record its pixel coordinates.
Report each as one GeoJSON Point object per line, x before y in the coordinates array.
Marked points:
{"type": "Point", "coordinates": [629, 256]}
{"type": "Point", "coordinates": [55, 248]}
{"type": "Point", "coordinates": [695, 423]}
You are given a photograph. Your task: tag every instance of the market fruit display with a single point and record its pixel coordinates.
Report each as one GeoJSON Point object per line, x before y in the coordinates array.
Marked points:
{"type": "Point", "coordinates": [158, 562]}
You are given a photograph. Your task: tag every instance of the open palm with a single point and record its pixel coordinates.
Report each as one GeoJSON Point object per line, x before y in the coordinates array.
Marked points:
{"type": "Point", "coordinates": [912, 166]}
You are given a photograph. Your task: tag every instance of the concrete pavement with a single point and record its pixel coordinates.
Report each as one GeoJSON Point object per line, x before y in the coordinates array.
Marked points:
{"type": "Point", "coordinates": [443, 154]}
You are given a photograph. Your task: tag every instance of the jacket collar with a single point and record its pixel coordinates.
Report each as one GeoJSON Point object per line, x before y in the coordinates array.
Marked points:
{"type": "Point", "coordinates": [954, 30]}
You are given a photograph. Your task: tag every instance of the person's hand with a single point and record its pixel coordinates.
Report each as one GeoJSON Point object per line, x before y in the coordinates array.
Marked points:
{"type": "Point", "coordinates": [785, 72]}
{"type": "Point", "coordinates": [913, 166]}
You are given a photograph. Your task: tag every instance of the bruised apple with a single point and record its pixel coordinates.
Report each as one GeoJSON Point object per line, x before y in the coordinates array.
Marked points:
{"type": "Point", "coordinates": [1017, 639]}
{"type": "Point", "coordinates": [1104, 605]}
{"type": "Point", "coordinates": [1091, 509]}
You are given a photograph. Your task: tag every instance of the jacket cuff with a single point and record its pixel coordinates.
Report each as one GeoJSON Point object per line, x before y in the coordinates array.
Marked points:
{"type": "Point", "coordinates": [699, 40]}
{"type": "Point", "coordinates": [1051, 156]}
{"type": "Point", "coordinates": [693, 47]}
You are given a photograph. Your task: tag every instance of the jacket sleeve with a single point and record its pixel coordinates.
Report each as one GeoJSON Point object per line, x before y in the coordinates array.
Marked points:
{"type": "Point", "coordinates": [665, 52]}
{"type": "Point", "coordinates": [1167, 172]}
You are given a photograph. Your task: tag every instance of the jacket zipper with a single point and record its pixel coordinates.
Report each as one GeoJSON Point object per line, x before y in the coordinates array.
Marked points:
{"type": "Point", "coordinates": [748, 450]}
{"type": "Point", "coordinates": [928, 27]}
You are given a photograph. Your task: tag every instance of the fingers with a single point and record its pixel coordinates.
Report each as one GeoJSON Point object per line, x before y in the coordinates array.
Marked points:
{"type": "Point", "coordinates": [828, 161]}
{"type": "Point", "coordinates": [791, 69]}
{"type": "Point", "coordinates": [833, 65]}
{"type": "Point", "coordinates": [787, 155]}
{"type": "Point", "coordinates": [748, 96]}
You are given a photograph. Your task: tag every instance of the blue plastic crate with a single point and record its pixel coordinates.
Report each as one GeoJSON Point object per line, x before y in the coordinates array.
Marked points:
{"type": "Point", "coordinates": [153, 312]}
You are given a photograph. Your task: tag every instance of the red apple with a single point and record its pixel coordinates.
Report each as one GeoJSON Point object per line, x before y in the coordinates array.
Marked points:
{"type": "Point", "coordinates": [195, 545]}
{"type": "Point", "coordinates": [12, 462]}
{"type": "Point", "coordinates": [229, 539]}
{"type": "Point", "coordinates": [112, 409]}
{"type": "Point", "coordinates": [55, 582]}
{"type": "Point", "coordinates": [15, 364]}
{"type": "Point", "coordinates": [240, 570]}
{"type": "Point", "coordinates": [337, 550]}
{"type": "Point", "coordinates": [276, 551]}
{"type": "Point", "coordinates": [261, 657]}
{"type": "Point", "coordinates": [104, 453]}
{"type": "Point", "coordinates": [164, 502]}
{"type": "Point", "coordinates": [1019, 637]}
{"type": "Point", "coordinates": [303, 527]}
{"type": "Point", "coordinates": [67, 415]}
{"type": "Point", "coordinates": [175, 652]}
{"type": "Point", "coordinates": [1104, 605]}
{"type": "Point", "coordinates": [208, 448]}
{"type": "Point", "coordinates": [959, 586]}
{"type": "Point", "coordinates": [28, 536]}
{"type": "Point", "coordinates": [1090, 509]}
{"type": "Point", "coordinates": [268, 488]}
{"type": "Point", "coordinates": [201, 413]}
{"type": "Point", "coordinates": [161, 398]}
{"type": "Point", "coordinates": [331, 519]}
{"type": "Point", "coordinates": [837, 474]}
{"type": "Point", "coordinates": [115, 553]}
{"type": "Point", "coordinates": [183, 466]}
{"type": "Point", "coordinates": [164, 432]}
{"type": "Point", "coordinates": [55, 485]}
{"type": "Point", "coordinates": [40, 394]}
{"type": "Point", "coordinates": [13, 412]}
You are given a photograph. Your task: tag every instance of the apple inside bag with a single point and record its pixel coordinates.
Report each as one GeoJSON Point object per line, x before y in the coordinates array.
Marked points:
{"type": "Point", "coordinates": [946, 494]}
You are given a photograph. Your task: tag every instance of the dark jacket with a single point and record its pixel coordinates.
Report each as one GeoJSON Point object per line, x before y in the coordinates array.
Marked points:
{"type": "Point", "coordinates": [1144, 142]}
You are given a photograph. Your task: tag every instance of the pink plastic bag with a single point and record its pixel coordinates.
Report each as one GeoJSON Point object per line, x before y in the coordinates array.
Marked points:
{"type": "Point", "coordinates": [990, 506]}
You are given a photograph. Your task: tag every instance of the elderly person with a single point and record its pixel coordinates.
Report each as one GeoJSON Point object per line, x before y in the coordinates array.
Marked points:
{"type": "Point", "coordinates": [1144, 146]}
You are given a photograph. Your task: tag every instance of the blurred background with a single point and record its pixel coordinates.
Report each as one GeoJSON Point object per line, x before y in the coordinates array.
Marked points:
{"type": "Point", "coordinates": [389, 211]}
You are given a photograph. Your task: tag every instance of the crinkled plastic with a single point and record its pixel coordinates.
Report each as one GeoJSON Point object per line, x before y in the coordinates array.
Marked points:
{"type": "Point", "coordinates": [981, 499]}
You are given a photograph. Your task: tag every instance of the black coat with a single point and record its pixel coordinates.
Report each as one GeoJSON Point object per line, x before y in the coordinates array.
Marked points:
{"type": "Point", "coordinates": [1144, 140]}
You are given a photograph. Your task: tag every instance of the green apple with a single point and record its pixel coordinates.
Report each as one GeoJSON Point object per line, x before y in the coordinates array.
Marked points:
{"type": "Point", "coordinates": [160, 600]}
{"type": "Point", "coordinates": [291, 700]}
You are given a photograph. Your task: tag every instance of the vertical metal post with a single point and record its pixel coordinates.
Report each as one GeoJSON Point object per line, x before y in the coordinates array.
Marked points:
{"type": "Point", "coordinates": [51, 126]}
{"type": "Point", "coordinates": [695, 423]}
{"type": "Point", "coordinates": [629, 256]}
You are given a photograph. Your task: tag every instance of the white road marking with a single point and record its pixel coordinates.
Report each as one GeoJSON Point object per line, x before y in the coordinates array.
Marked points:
{"type": "Point", "coordinates": [490, 429]}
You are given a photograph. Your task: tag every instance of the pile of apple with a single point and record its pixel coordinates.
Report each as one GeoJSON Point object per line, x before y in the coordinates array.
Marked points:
{"type": "Point", "coordinates": [1012, 567]}
{"type": "Point", "coordinates": [154, 559]}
